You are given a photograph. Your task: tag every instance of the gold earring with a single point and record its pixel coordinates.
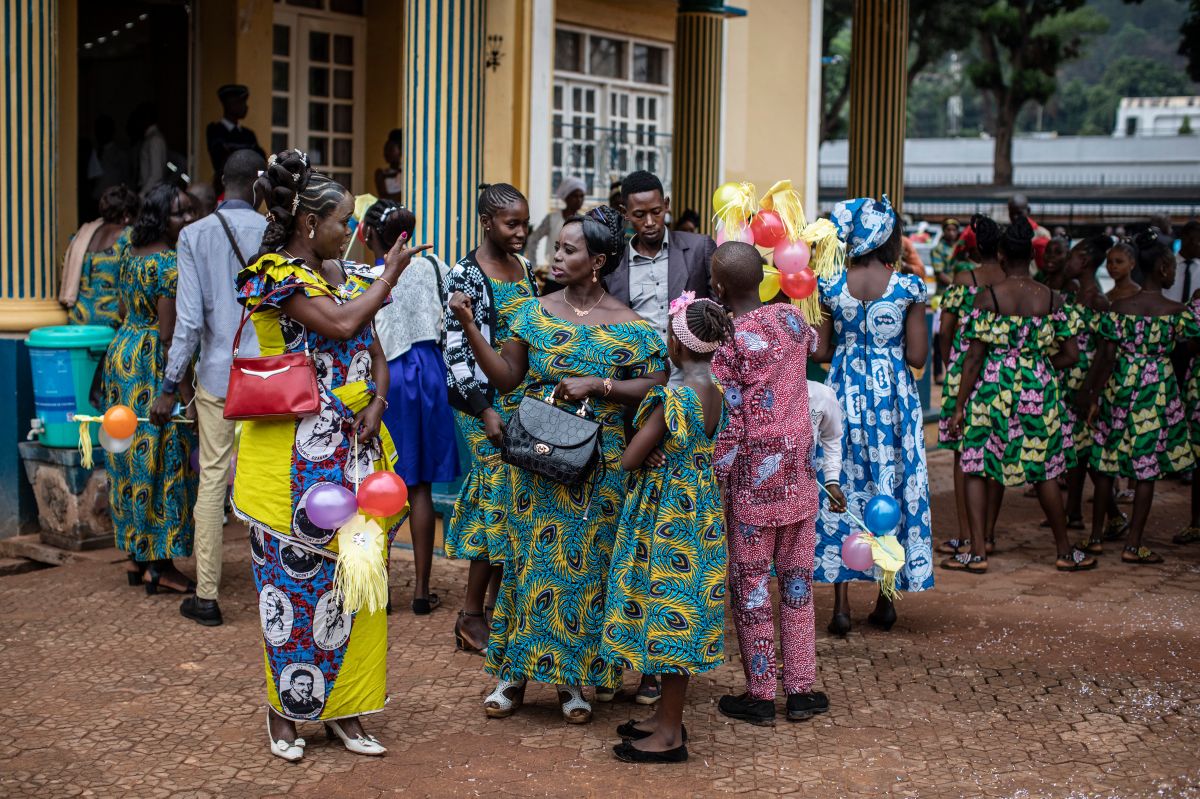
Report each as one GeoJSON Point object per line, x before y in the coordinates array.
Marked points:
{"type": "Point", "coordinates": [595, 272]}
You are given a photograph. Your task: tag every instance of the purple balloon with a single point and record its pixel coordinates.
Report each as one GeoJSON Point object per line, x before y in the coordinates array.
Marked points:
{"type": "Point", "coordinates": [856, 553]}
{"type": "Point", "coordinates": [194, 459]}
{"type": "Point", "coordinates": [329, 506]}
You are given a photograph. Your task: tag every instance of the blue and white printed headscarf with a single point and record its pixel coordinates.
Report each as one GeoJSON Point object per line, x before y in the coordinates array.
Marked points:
{"type": "Point", "coordinates": [864, 224]}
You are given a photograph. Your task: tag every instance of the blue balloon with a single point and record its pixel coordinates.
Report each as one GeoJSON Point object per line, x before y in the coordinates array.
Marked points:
{"type": "Point", "coordinates": [882, 515]}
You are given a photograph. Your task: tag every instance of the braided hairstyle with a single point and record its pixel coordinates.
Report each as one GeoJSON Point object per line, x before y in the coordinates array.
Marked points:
{"type": "Point", "coordinates": [390, 221]}
{"type": "Point", "coordinates": [1094, 249]}
{"type": "Point", "coordinates": [495, 197]}
{"type": "Point", "coordinates": [291, 189]}
{"type": "Point", "coordinates": [1016, 243]}
{"type": "Point", "coordinates": [604, 234]}
{"type": "Point", "coordinates": [709, 321]}
{"type": "Point", "coordinates": [1149, 249]}
{"type": "Point", "coordinates": [987, 234]}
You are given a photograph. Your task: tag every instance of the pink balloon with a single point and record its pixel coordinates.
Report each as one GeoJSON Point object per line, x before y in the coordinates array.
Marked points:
{"type": "Point", "coordinates": [856, 553]}
{"type": "Point", "coordinates": [742, 234]}
{"type": "Point", "coordinates": [792, 256]}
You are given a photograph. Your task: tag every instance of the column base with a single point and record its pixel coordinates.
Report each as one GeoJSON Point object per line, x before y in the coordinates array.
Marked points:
{"type": "Point", "coordinates": [21, 316]}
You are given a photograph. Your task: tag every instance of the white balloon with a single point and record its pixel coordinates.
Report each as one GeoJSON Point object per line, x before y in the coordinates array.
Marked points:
{"type": "Point", "coordinates": [114, 445]}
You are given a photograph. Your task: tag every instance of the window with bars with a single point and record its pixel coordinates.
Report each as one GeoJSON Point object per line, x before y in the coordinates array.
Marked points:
{"type": "Point", "coordinates": [611, 108]}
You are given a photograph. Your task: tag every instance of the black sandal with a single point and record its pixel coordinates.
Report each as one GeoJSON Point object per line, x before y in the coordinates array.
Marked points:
{"type": "Point", "coordinates": [423, 606]}
{"type": "Point", "coordinates": [966, 562]}
{"type": "Point", "coordinates": [953, 546]}
{"type": "Point", "coordinates": [1116, 528]}
{"type": "Point", "coordinates": [464, 644]}
{"type": "Point", "coordinates": [628, 753]}
{"type": "Point", "coordinates": [135, 576]}
{"type": "Point", "coordinates": [1141, 556]}
{"type": "Point", "coordinates": [1092, 546]}
{"type": "Point", "coordinates": [153, 585]}
{"type": "Point", "coordinates": [629, 731]}
{"type": "Point", "coordinates": [1079, 560]}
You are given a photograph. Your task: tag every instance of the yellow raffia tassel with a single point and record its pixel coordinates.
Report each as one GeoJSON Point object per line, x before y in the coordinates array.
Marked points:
{"type": "Point", "coordinates": [361, 574]}
{"type": "Point", "coordinates": [828, 252]}
{"type": "Point", "coordinates": [736, 206]}
{"type": "Point", "coordinates": [785, 201]}
{"type": "Point", "coordinates": [811, 309]}
{"type": "Point", "coordinates": [85, 444]}
{"type": "Point", "coordinates": [889, 557]}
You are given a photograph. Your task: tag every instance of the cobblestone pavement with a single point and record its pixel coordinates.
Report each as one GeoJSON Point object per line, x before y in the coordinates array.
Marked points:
{"type": "Point", "coordinates": [1020, 683]}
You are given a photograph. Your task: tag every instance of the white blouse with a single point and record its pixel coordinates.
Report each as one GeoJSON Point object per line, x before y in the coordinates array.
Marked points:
{"type": "Point", "coordinates": [416, 312]}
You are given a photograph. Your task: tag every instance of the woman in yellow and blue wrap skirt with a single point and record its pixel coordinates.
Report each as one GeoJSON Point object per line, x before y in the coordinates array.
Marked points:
{"type": "Point", "coordinates": [322, 662]}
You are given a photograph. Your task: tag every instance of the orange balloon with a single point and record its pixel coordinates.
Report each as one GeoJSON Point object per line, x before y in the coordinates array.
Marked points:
{"type": "Point", "coordinates": [120, 421]}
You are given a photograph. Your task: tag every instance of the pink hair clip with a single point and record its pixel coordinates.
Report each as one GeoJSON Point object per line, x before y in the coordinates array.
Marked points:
{"type": "Point", "coordinates": [681, 302]}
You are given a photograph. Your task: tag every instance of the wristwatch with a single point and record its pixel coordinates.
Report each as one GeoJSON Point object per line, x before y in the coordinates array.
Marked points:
{"type": "Point", "coordinates": [169, 386]}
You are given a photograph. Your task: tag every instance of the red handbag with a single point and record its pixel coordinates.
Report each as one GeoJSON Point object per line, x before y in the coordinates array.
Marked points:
{"type": "Point", "coordinates": [271, 386]}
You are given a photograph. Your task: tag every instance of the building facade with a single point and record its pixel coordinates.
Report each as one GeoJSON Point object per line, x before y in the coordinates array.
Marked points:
{"type": "Point", "coordinates": [519, 91]}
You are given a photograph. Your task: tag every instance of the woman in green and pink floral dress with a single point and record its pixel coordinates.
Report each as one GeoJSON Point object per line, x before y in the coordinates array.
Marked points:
{"type": "Point", "coordinates": [1009, 412]}
{"type": "Point", "coordinates": [1133, 396]}
{"type": "Point", "coordinates": [980, 240]}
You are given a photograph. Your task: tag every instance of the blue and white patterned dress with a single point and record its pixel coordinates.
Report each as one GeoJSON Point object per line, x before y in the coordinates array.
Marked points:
{"type": "Point", "coordinates": [883, 446]}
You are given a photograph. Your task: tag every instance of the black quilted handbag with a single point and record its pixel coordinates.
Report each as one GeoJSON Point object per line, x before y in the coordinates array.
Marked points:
{"type": "Point", "coordinates": [551, 441]}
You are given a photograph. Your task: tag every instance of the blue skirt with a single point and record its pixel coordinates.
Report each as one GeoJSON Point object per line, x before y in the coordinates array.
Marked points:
{"type": "Point", "coordinates": [419, 416]}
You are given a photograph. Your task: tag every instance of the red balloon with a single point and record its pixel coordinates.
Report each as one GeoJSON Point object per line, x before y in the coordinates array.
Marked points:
{"type": "Point", "coordinates": [798, 285]}
{"type": "Point", "coordinates": [768, 229]}
{"type": "Point", "coordinates": [382, 494]}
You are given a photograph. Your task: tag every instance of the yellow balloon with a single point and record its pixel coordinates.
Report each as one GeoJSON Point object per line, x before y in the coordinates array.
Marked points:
{"type": "Point", "coordinates": [726, 195]}
{"type": "Point", "coordinates": [768, 289]}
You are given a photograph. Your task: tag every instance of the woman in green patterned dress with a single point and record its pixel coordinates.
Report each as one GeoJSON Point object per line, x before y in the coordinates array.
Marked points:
{"type": "Point", "coordinates": [497, 280]}
{"type": "Point", "coordinates": [578, 344]}
{"type": "Point", "coordinates": [1009, 399]}
{"type": "Point", "coordinates": [93, 261]}
{"type": "Point", "coordinates": [1191, 398]}
{"type": "Point", "coordinates": [980, 239]}
{"type": "Point", "coordinates": [1132, 395]}
{"type": "Point", "coordinates": [151, 487]}
{"type": "Point", "coordinates": [1085, 304]}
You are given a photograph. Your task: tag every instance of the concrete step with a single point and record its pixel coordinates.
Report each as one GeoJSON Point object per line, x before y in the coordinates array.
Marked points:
{"type": "Point", "coordinates": [9, 566]}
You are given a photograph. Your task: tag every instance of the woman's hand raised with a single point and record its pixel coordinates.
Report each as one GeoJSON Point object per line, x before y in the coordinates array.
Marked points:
{"type": "Point", "coordinates": [460, 306]}
{"type": "Point", "coordinates": [399, 257]}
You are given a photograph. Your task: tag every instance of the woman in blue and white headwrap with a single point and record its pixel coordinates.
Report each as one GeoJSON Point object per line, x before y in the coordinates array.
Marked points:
{"type": "Point", "coordinates": [875, 335]}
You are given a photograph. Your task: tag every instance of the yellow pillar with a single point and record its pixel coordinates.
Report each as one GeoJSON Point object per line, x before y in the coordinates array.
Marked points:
{"type": "Point", "coordinates": [443, 121]}
{"type": "Point", "coordinates": [28, 150]}
{"type": "Point", "coordinates": [878, 91]}
{"type": "Point", "coordinates": [696, 144]}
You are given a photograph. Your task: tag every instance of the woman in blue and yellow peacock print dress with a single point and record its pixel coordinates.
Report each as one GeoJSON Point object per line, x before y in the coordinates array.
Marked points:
{"type": "Point", "coordinates": [151, 488]}
{"type": "Point", "coordinates": [665, 603]}
{"type": "Point", "coordinates": [550, 611]}
{"type": "Point", "coordinates": [323, 662]}
{"type": "Point", "coordinates": [91, 268]}
{"type": "Point", "coordinates": [497, 280]}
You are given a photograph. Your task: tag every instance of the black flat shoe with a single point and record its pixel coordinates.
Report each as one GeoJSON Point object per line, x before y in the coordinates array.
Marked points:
{"type": "Point", "coordinates": [135, 577]}
{"type": "Point", "coordinates": [626, 752]}
{"type": "Point", "coordinates": [744, 708]}
{"type": "Point", "coordinates": [202, 611]}
{"type": "Point", "coordinates": [423, 606]}
{"type": "Point", "coordinates": [839, 625]}
{"type": "Point", "coordinates": [631, 733]}
{"type": "Point", "coordinates": [801, 707]}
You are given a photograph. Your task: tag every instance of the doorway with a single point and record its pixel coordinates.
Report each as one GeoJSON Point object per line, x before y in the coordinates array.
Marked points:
{"type": "Point", "coordinates": [133, 73]}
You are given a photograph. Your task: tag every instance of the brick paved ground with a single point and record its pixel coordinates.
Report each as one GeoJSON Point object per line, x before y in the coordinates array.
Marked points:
{"type": "Point", "coordinates": [1023, 683]}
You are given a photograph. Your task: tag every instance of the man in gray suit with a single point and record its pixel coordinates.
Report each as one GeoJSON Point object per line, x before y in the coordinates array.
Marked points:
{"type": "Point", "coordinates": [210, 254]}
{"type": "Point", "coordinates": [658, 265]}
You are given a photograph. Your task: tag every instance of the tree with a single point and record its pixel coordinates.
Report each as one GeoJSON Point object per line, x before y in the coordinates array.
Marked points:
{"type": "Point", "coordinates": [835, 77]}
{"type": "Point", "coordinates": [936, 27]}
{"type": "Point", "coordinates": [1189, 40]}
{"type": "Point", "coordinates": [1022, 43]}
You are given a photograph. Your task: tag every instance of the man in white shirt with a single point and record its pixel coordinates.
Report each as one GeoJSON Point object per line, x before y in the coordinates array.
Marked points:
{"type": "Point", "coordinates": [1187, 272]}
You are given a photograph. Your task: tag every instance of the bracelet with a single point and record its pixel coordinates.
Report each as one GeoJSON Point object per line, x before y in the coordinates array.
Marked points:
{"type": "Point", "coordinates": [391, 288]}
{"type": "Point", "coordinates": [382, 399]}
{"type": "Point", "coordinates": [607, 386]}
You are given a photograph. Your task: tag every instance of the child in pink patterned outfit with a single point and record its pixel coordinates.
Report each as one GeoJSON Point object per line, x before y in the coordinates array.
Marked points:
{"type": "Point", "coordinates": [763, 458]}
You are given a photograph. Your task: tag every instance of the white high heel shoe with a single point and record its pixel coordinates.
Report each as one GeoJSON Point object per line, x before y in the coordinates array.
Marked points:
{"type": "Point", "coordinates": [362, 745]}
{"type": "Point", "coordinates": [290, 752]}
